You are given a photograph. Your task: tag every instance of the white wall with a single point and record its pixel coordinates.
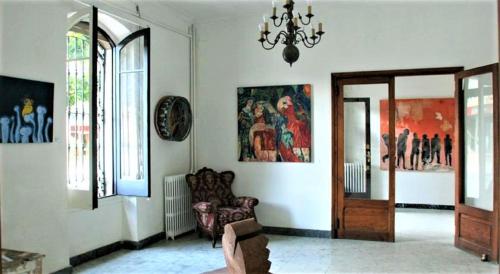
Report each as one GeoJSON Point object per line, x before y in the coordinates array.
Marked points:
{"type": "Point", "coordinates": [33, 182]}
{"type": "Point", "coordinates": [359, 36]}
{"type": "Point", "coordinates": [35, 216]}
{"type": "Point", "coordinates": [169, 76]}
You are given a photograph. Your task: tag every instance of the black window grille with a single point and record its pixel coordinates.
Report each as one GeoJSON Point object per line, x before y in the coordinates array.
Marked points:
{"type": "Point", "coordinates": [79, 116]}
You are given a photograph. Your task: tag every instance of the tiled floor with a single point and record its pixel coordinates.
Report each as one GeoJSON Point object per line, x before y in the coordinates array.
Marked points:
{"type": "Point", "coordinates": [424, 244]}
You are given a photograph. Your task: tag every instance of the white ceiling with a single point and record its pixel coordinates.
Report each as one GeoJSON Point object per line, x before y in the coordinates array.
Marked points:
{"type": "Point", "coordinates": [209, 10]}
{"type": "Point", "coordinates": [200, 11]}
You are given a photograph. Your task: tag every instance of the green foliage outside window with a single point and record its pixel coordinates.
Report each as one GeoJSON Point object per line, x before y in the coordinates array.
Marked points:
{"type": "Point", "coordinates": [78, 78]}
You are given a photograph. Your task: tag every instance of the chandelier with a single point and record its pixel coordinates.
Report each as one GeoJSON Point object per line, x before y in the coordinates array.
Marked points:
{"type": "Point", "coordinates": [294, 33]}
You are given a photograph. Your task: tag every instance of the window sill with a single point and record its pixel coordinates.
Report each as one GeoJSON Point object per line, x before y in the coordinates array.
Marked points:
{"type": "Point", "coordinates": [110, 200]}
{"type": "Point", "coordinates": [103, 202]}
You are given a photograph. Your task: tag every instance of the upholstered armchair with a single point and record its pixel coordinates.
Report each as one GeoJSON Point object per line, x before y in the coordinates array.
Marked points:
{"type": "Point", "coordinates": [214, 203]}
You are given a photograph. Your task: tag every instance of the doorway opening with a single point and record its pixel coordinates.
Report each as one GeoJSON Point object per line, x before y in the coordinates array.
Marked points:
{"type": "Point", "coordinates": [425, 160]}
{"type": "Point", "coordinates": [434, 133]}
{"type": "Point", "coordinates": [370, 216]}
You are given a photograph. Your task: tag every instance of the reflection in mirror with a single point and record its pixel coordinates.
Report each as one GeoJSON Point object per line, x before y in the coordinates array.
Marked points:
{"type": "Point", "coordinates": [356, 164]}
{"type": "Point", "coordinates": [478, 141]}
{"type": "Point", "coordinates": [364, 145]}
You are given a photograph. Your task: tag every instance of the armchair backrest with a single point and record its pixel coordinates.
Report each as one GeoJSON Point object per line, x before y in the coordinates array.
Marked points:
{"type": "Point", "coordinates": [208, 185]}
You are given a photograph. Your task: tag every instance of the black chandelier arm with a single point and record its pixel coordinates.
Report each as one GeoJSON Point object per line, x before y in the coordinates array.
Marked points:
{"type": "Point", "coordinates": [282, 18]}
{"type": "Point", "coordinates": [319, 39]}
{"type": "Point", "coordinates": [309, 16]}
{"type": "Point", "coordinates": [268, 48]}
{"type": "Point", "coordinates": [277, 38]}
{"type": "Point", "coordinates": [270, 43]}
{"type": "Point", "coordinates": [305, 39]}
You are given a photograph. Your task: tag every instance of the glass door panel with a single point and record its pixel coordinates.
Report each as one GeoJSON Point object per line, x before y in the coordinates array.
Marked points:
{"type": "Point", "coordinates": [357, 147]}
{"type": "Point", "coordinates": [478, 141]}
{"type": "Point", "coordinates": [366, 140]}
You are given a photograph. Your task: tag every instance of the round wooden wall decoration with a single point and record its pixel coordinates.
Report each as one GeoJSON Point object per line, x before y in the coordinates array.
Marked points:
{"type": "Point", "coordinates": [173, 118]}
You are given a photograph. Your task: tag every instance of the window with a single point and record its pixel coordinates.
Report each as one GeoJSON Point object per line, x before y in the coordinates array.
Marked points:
{"type": "Point", "coordinates": [116, 160]}
{"type": "Point", "coordinates": [133, 114]}
{"type": "Point", "coordinates": [78, 107]}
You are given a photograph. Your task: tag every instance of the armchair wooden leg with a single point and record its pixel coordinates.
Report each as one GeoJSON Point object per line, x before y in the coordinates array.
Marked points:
{"type": "Point", "coordinates": [214, 237]}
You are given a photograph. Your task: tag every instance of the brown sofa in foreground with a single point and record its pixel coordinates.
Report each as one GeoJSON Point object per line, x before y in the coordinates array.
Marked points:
{"type": "Point", "coordinates": [245, 249]}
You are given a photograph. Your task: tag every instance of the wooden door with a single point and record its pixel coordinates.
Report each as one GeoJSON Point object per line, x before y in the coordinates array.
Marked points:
{"type": "Point", "coordinates": [477, 172]}
{"type": "Point", "coordinates": [370, 218]}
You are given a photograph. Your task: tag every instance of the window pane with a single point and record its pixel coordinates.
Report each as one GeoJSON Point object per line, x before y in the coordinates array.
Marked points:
{"type": "Point", "coordinates": [78, 106]}
{"type": "Point", "coordinates": [478, 141]}
{"type": "Point", "coordinates": [132, 55]}
{"type": "Point", "coordinates": [132, 111]}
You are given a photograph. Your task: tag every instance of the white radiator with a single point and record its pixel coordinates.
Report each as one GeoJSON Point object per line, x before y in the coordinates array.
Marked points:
{"type": "Point", "coordinates": [179, 215]}
{"type": "Point", "coordinates": [354, 178]}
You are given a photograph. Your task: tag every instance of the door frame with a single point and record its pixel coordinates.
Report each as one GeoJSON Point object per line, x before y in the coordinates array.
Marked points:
{"type": "Point", "coordinates": [353, 213]}
{"type": "Point", "coordinates": [361, 77]}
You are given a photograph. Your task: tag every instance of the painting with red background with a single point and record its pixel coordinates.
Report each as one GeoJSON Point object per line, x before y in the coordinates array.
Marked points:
{"type": "Point", "coordinates": [420, 116]}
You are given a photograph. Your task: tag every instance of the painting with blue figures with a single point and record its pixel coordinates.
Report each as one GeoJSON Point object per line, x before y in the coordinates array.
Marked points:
{"type": "Point", "coordinates": [26, 111]}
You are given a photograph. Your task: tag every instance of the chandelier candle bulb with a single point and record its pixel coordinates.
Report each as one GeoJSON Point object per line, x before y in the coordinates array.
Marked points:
{"type": "Point", "coordinates": [274, 11]}
{"type": "Point", "coordinates": [309, 8]}
{"type": "Point", "coordinates": [296, 21]}
{"type": "Point", "coordinates": [313, 32]}
{"type": "Point", "coordinates": [320, 27]}
{"type": "Point", "coordinates": [266, 27]}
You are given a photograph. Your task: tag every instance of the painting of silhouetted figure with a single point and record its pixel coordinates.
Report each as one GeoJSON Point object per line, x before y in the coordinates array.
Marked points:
{"type": "Point", "coordinates": [448, 146]}
{"type": "Point", "coordinates": [402, 139]}
{"type": "Point", "coordinates": [385, 137]}
{"type": "Point", "coordinates": [423, 128]}
{"type": "Point", "coordinates": [415, 151]}
{"type": "Point", "coordinates": [426, 150]}
{"type": "Point", "coordinates": [436, 148]}
{"type": "Point", "coordinates": [26, 111]}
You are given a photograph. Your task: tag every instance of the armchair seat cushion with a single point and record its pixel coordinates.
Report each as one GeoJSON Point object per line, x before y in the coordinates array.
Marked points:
{"type": "Point", "coordinates": [229, 214]}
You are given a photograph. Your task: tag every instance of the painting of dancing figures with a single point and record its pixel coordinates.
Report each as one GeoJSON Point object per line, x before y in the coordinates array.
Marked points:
{"type": "Point", "coordinates": [424, 134]}
{"type": "Point", "coordinates": [274, 124]}
{"type": "Point", "coordinates": [26, 111]}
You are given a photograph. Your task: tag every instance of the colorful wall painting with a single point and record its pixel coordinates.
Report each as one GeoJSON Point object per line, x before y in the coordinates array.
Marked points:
{"type": "Point", "coordinates": [425, 131]}
{"type": "Point", "coordinates": [26, 111]}
{"type": "Point", "coordinates": [274, 124]}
